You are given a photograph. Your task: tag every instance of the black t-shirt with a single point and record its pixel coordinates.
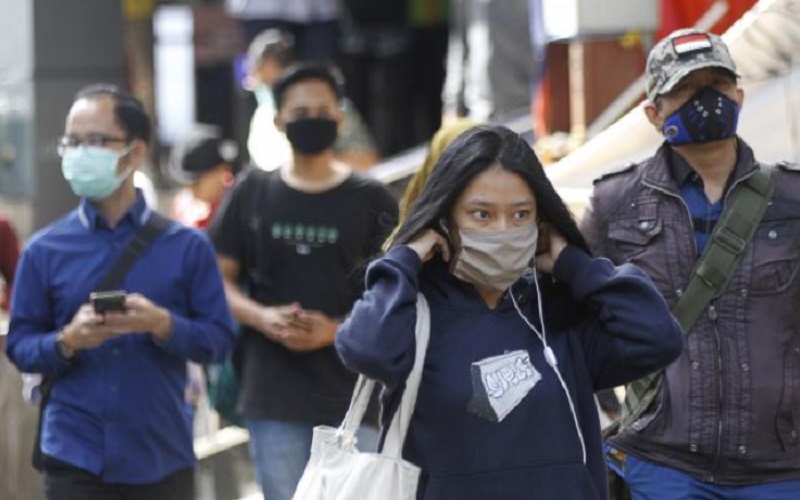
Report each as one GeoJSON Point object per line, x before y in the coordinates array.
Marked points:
{"type": "Point", "coordinates": [310, 248]}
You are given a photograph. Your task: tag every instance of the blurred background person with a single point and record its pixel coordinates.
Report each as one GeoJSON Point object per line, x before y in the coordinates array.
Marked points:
{"type": "Point", "coordinates": [206, 165]}
{"type": "Point", "coordinates": [313, 23]}
{"type": "Point", "coordinates": [272, 51]}
{"type": "Point", "coordinates": [439, 143]}
{"type": "Point", "coordinates": [393, 56]}
{"type": "Point", "coordinates": [9, 255]}
{"type": "Point", "coordinates": [496, 57]}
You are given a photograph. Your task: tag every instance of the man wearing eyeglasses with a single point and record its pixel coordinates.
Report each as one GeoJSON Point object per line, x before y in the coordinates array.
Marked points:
{"type": "Point", "coordinates": [116, 425]}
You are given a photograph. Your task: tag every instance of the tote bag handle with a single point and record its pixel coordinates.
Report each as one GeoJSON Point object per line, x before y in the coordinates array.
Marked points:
{"type": "Point", "coordinates": [398, 428]}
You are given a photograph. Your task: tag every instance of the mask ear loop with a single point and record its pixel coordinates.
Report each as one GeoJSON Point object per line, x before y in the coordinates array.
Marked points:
{"type": "Point", "coordinates": [549, 356]}
{"type": "Point", "coordinates": [130, 168]}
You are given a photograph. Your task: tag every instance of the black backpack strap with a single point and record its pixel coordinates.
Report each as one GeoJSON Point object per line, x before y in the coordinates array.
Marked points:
{"type": "Point", "coordinates": [147, 234]}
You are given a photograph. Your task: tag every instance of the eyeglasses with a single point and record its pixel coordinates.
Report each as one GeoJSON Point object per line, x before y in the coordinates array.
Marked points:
{"type": "Point", "coordinates": [95, 140]}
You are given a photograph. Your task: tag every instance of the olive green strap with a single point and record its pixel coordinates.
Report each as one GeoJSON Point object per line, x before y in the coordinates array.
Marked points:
{"type": "Point", "coordinates": [735, 229]}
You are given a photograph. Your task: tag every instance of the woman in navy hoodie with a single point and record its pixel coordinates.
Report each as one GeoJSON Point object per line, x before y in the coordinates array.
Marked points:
{"type": "Point", "coordinates": [505, 408]}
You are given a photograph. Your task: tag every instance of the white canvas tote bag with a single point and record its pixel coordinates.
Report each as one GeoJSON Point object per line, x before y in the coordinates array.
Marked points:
{"type": "Point", "coordinates": [338, 471]}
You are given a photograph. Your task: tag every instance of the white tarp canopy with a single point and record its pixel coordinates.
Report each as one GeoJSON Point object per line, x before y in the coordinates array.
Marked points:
{"type": "Point", "coordinates": [765, 43]}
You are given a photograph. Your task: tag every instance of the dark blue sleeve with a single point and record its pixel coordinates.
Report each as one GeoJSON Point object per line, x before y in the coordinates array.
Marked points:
{"type": "Point", "coordinates": [32, 330]}
{"type": "Point", "coordinates": [377, 339]}
{"type": "Point", "coordinates": [632, 331]}
{"type": "Point", "coordinates": [204, 331]}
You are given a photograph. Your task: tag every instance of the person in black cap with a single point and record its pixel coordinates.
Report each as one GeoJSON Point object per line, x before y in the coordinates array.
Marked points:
{"type": "Point", "coordinates": [206, 164]}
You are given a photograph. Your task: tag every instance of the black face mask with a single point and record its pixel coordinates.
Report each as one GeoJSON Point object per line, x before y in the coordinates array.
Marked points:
{"type": "Point", "coordinates": [311, 136]}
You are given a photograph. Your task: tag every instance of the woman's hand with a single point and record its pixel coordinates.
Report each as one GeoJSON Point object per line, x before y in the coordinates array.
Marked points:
{"type": "Point", "coordinates": [428, 243]}
{"type": "Point", "coordinates": [553, 244]}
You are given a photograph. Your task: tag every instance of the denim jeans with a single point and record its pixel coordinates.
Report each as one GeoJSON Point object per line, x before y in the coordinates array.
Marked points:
{"type": "Point", "coordinates": [649, 481]}
{"type": "Point", "coordinates": [280, 451]}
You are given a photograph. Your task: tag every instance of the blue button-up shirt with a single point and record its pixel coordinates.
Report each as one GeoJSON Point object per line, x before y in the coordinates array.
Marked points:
{"type": "Point", "coordinates": [704, 213]}
{"type": "Point", "coordinates": [118, 411]}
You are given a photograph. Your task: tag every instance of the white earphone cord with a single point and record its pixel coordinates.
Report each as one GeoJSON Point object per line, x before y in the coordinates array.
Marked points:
{"type": "Point", "coordinates": [550, 356]}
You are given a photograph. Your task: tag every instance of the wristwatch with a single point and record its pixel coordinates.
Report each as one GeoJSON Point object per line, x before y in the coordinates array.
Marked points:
{"type": "Point", "coordinates": [62, 349]}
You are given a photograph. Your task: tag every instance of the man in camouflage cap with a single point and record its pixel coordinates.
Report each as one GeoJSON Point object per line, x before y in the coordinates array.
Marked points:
{"type": "Point", "coordinates": [724, 423]}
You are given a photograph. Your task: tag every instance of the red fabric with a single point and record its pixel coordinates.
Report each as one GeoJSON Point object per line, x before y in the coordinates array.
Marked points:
{"type": "Point", "coordinates": [690, 39]}
{"type": "Point", "coordinates": [192, 212]}
{"type": "Point", "coordinates": [677, 14]}
{"type": "Point", "coordinates": [9, 255]}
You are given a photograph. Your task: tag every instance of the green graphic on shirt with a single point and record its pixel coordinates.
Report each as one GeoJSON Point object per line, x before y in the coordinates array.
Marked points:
{"type": "Point", "coordinates": [304, 236]}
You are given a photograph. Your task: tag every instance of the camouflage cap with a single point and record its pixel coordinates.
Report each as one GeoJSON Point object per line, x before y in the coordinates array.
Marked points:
{"type": "Point", "coordinates": [682, 52]}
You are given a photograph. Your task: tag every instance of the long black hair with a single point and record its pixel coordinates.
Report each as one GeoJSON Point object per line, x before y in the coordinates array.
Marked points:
{"type": "Point", "coordinates": [473, 152]}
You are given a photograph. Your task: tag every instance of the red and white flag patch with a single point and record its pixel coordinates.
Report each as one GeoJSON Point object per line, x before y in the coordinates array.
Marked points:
{"type": "Point", "coordinates": [687, 44]}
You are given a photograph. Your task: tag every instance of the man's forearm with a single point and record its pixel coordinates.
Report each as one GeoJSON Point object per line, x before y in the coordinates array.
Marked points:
{"type": "Point", "coordinates": [245, 310]}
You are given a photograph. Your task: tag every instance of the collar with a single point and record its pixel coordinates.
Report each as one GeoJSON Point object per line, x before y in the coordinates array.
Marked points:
{"type": "Point", "coordinates": [137, 214]}
{"type": "Point", "coordinates": [662, 171]}
{"type": "Point", "coordinates": [681, 171]}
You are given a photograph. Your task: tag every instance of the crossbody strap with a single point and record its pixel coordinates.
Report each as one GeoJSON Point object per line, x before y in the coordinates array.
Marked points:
{"type": "Point", "coordinates": [735, 229]}
{"type": "Point", "coordinates": [147, 234]}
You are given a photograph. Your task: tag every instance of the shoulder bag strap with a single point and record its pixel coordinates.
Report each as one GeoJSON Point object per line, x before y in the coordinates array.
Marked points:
{"type": "Point", "coordinates": [735, 229]}
{"type": "Point", "coordinates": [147, 234]}
{"type": "Point", "coordinates": [396, 434]}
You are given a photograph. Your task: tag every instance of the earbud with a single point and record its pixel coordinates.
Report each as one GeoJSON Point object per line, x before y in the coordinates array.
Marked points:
{"type": "Point", "coordinates": [550, 357]}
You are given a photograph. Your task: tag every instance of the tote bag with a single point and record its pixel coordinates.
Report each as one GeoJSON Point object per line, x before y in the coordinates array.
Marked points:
{"type": "Point", "coordinates": [338, 471]}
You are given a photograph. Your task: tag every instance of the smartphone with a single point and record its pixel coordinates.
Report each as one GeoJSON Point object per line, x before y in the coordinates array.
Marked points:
{"type": "Point", "coordinates": [113, 301]}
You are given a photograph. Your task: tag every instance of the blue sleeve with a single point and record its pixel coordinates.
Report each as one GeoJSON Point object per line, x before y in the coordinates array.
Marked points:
{"type": "Point", "coordinates": [31, 343]}
{"type": "Point", "coordinates": [632, 331]}
{"type": "Point", "coordinates": [204, 331]}
{"type": "Point", "coordinates": [377, 339]}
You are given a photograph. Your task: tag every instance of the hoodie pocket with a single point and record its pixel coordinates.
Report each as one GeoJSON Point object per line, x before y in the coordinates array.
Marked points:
{"type": "Point", "coordinates": [544, 482]}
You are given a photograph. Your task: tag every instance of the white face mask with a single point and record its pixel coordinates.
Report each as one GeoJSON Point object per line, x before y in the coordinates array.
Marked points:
{"type": "Point", "coordinates": [263, 94]}
{"type": "Point", "coordinates": [495, 259]}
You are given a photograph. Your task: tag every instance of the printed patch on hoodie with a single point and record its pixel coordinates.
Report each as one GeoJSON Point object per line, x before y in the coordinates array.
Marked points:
{"type": "Point", "coordinates": [500, 383]}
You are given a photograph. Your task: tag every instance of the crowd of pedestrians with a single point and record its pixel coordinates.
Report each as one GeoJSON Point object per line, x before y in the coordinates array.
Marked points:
{"type": "Point", "coordinates": [679, 284]}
